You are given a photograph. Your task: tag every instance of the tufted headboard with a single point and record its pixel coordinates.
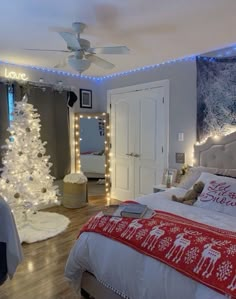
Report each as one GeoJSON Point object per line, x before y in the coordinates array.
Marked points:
{"type": "Point", "coordinates": [217, 152]}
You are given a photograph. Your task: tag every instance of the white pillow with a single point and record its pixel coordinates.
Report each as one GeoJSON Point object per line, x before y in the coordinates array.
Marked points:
{"type": "Point", "coordinates": [193, 174]}
{"type": "Point", "coordinates": [219, 195]}
{"type": "Point", "coordinates": [189, 179]}
{"type": "Point", "coordinates": [206, 177]}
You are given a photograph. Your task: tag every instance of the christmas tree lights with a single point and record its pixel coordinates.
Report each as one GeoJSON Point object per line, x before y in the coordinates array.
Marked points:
{"type": "Point", "coordinates": [26, 183]}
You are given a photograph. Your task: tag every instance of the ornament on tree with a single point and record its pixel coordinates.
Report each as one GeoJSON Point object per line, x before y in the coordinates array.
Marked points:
{"type": "Point", "coordinates": [17, 195]}
{"type": "Point", "coordinates": [29, 176]}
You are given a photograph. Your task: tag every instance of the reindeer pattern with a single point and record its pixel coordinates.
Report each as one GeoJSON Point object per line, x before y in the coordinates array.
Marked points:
{"type": "Point", "coordinates": [179, 245]}
{"type": "Point", "coordinates": [232, 285]}
{"type": "Point", "coordinates": [111, 224]}
{"type": "Point", "coordinates": [209, 258]}
{"type": "Point", "coordinates": [152, 238]}
{"type": "Point", "coordinates": [131, 229]}
{"type": "Point", "coordinates": [95, 220]}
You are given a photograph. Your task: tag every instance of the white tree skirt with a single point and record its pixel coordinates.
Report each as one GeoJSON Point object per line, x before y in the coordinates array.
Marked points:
{"type": "Point", "coordinates": [41, 226]}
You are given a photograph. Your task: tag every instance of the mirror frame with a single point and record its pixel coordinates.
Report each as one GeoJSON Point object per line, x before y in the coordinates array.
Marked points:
{"type": "Point", "coordinates": [105, 117]}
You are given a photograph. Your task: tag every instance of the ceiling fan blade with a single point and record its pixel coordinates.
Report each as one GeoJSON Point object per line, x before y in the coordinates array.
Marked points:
{"type": "Point", "coordinates": [109, 50]}
{"type": "Point", "coordinates": [99, 61]}
{"type": "Point", "coordinates": [60, 29]}
{"type": "Point", "coordinates": [47, 50]}
{"type": "Point", "coordinates": [71, 40]}
{"type": "Point", "coordinates": [61, 64]}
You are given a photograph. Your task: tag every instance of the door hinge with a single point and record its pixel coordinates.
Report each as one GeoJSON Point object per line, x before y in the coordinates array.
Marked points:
{"type": "Point", "coordinates": [110, 105]}
{"type": "Point", "coordinates": [163, 100]}
{"type": "Point", "coordinates": [162, 149]}
{"type": "Point", "coordinates": [110, 145]}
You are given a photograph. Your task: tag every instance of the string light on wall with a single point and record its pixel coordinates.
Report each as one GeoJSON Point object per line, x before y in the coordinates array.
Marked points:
{"type": "Point", "coordinates": [101, 78]}
{"type": "Point", "coordinates": [231, 49]}
{"type": "Point", "coordinates": [215, 137]}
{"type": "Point", "coordinates": [105, 119]}
{"type": "Point", "coordinates": [76, 144]}
{"type": "Point", "coordinates": [227, 131]}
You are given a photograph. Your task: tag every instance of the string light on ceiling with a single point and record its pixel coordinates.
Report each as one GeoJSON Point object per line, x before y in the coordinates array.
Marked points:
{"type": "Point", "coordinates": [226, 52]}
{"type": "Point", "coordinates": [101, 78]}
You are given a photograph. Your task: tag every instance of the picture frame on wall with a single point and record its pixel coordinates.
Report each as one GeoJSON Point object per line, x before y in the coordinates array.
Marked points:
{"type": "Point", "coordinates": [86, 98]}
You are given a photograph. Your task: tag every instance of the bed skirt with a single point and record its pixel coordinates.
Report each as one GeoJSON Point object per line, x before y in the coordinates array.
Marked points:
{"type": "Point", "coordinates": [96, 289]}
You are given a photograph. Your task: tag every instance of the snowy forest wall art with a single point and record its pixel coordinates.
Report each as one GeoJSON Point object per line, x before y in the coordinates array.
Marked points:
{"type": "Point", "coordinates": [216, 96]}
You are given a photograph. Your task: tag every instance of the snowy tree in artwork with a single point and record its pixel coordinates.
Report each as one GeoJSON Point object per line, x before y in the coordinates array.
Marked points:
{"type": "Point", "coordinates": [216, 93]}
{"type": "Point", "coordinates": [25, 181]}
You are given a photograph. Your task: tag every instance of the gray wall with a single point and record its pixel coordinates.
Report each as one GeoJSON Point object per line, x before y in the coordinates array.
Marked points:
{"type": "Point", "coordinates": [183, 104]}
{"type": "Point", "coordinates": [68, 82]}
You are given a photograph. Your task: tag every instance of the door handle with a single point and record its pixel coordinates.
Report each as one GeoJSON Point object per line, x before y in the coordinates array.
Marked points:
{"type": "Point", "coordinates": [136, 155]}
{"type": "Point", "coordinates": [130, 154]}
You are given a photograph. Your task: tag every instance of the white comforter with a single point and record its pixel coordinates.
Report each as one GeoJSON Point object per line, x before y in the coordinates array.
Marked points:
{"type": "Point", "coordinates": [137, 276]}
{"type": "Point", "coordinates": [93, 163]}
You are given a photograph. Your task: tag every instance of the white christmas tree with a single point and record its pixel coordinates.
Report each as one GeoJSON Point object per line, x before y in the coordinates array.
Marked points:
{"type": "Point", "coordinates": [25, 181]}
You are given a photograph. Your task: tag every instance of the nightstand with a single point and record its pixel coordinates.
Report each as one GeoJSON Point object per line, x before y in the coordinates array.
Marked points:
{"type": "Point", "coordinates": [160, 188]}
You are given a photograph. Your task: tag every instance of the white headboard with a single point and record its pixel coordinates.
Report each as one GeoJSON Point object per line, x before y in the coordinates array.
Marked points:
{"type": "Point", "coordinates": [217, 152]}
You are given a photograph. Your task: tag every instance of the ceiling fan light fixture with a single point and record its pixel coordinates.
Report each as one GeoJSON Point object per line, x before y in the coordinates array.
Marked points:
{"type": "Point", "coordinates": [82, 55]}
{"type": "Point", "coordinates": [79, 65]}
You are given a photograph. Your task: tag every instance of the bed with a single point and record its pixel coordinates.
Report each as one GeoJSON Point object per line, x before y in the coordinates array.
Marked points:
{"type": "Point", "coordinates": [105, 268]}
{"type": "Point", "coordinates": [10, 248]}
{"type": "Point", "coordinates": [92, 165]}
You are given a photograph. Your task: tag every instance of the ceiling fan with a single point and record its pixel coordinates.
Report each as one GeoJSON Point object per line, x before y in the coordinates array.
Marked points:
{"type": "Point", "coordinates": [82, 55]}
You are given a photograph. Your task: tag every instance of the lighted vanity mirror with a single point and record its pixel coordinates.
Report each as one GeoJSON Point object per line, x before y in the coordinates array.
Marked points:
{"type": "Point", "coordinates": [92, 144]}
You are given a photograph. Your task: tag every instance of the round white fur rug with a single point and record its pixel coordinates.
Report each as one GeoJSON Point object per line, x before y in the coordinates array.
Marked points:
{"type": "Point", "coordinates": [41, 226]}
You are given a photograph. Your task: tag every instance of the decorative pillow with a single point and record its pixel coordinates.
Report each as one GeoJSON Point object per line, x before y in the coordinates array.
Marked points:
{"type": "Point", "coordinates": [207, 177]}
{"type": "Point", "coordinates": [227, 172]}
{"type": "Point", "coordinates": [228, 176]}
{"type": "Point", "coordinates": [194, 174]}
{"type": "Point", "coordinates": [219, 195]}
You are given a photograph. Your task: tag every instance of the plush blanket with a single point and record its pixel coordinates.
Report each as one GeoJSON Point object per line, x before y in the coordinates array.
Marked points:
{"type": "Point", "coordinates": [202, 252]}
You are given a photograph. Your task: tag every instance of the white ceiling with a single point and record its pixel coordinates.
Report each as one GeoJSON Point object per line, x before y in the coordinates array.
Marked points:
{"type": "Point", "coordinates": [153, 30]}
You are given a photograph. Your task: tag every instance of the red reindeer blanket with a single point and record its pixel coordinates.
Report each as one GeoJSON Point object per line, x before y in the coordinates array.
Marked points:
{"type": "Point", "coordinates": [204, 253]}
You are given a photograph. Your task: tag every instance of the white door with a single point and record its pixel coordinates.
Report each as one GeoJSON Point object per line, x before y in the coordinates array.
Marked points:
{"type": "Point", "coordinates": [122, 146]}
{"type": "Point", "coordinates": [150, 141]}
{"type": "Point", "coordinates": [139, 142]}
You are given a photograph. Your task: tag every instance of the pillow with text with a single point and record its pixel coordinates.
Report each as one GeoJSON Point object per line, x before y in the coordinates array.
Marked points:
{"type": "Point", "coordinates": [218, 195]}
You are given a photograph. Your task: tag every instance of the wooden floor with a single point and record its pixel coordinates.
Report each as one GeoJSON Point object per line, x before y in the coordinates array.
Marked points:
{"type": "Point", "coordinates": [40, 276]}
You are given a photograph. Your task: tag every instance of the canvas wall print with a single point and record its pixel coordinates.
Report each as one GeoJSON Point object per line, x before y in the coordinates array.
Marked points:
{"type": "Point", "coordinates": [216, 96]}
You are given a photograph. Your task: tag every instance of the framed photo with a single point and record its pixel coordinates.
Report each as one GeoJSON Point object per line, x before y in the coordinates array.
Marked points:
{"type": "Point", "coordinates": [173, 175]}
{"type": "Point", "coordinates": [85, 98]}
